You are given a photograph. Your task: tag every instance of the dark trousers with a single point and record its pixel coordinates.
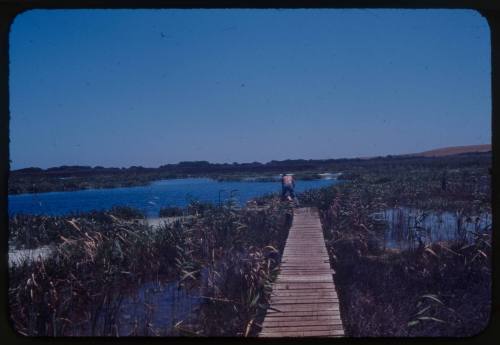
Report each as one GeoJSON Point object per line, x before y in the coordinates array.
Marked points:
{"type": "Point", "coordinates": [287, 190]}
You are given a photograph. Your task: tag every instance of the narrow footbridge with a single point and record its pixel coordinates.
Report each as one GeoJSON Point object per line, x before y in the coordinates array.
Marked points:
{"type": "Point", "coordinates": [304, 300]}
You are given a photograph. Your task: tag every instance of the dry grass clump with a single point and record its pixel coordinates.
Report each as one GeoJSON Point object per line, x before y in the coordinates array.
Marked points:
{"type": "Point", "coordinates": [240, 250]}
{"type": "Point", "coordinates": [32, 231]}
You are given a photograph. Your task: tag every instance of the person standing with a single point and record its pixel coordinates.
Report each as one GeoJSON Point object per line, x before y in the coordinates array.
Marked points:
{"type": "Point", "coordinates": [287, 187]}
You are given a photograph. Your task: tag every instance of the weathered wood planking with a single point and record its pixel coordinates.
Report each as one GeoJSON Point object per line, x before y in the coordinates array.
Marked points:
{"type": "Point", "coordinates": [304, 301]}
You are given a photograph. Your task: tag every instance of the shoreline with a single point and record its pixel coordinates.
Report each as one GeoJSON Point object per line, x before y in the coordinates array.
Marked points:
{"type": "Point", "coordinates": [221, 178]}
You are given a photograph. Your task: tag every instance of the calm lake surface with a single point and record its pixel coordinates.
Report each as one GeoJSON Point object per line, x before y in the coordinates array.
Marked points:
{"type": "Point", "coordinates": [149, 199]}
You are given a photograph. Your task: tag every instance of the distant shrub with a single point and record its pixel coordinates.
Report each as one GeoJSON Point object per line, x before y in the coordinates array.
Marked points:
{"type": "Point", "coordinates": [171, 211]}
{"type": "Point", "coordinates": [349, 176]}
{"type": "Point", "coordinates": [382, 180]}
{"type": "Point", "coordinates": [199, 207]}
{"type": "Point", "coordinates": [126, 212]}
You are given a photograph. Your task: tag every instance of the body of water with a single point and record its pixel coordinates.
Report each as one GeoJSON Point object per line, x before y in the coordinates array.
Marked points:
{"type": "Point", "coordinates": [150, 198]}
{"type": "Point", "coordinates": [405, 227]}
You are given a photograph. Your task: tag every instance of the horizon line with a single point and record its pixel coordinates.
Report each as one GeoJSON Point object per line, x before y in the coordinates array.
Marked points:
{"type": "Point", "coordinates": [273, 160]}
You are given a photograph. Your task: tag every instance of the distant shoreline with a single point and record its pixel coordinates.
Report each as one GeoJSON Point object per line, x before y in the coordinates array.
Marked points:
{"type": "Point", "coordinates": [73, 178]}
{"type": "Point", "coordinates": [235, 178]}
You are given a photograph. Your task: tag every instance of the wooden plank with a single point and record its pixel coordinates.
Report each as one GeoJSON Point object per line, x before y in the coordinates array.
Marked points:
{"type": "Point", "coordinates": [305, 278]}
{"type": "Point", "coordinates": [324, 327]}
{"type": "Point", "coordinates": [293, 323]}
{"type": "Point", "coordinates": [333, 318]}
{"type": "Point", "coordinates": [304, 285]}
{"type": "Point", "coordinates": [302, 298]}
{"type": "Point", "coordinates": [279, 301]}
{"type": "Point", "coordinates": [303, 272]}
{"type": "Point", "coordinates": [311, 254]}
{"type": "Point", "coordinates": [281, 314]}
{"type": "Point", "coordinates": [313, 307]}
{"type": "Point", "coordinates": [310, 257]}
{"type": "Point", "coordinates": [278, 311]}
{"type": "Point", "coordinates": [283, 294]}
{"type": "Point", "coordinates": [280, 297]}
{"type": "Point", "coordinates": [307, 294]}
{"type": "Point", "coordinates": [303, 316]}
{"type": "Point", "coordinates": [304, 251]}
{"type": "Point", "coordinates": [291, 269]}
{"type": "Point", "coordinates": [295, 301]}
{"type": "Point", "coordinates": [302, 293]}
{"type": "Point", "coordinates": [306, 262]}
{"type": "Point", "coordinates": [318, 278]}
{"type": "Point", "coordinates": [288, 266]}
{"type": "Point", "coordinates": [304, 333]}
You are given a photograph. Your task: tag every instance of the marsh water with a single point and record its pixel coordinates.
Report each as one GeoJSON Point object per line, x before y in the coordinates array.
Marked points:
{"type": "Point", "coordinates": [405, 227]}
{"type": "Point", "coordinates": [150, 198]}
{"type": "Point", "coordinates": [161, 305]}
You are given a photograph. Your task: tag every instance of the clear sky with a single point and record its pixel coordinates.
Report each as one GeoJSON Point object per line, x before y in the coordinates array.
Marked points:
{"type": "Point", "coordinates": [149, 87]}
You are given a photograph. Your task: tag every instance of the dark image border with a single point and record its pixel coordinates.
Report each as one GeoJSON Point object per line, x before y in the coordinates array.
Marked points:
{"type": "Point", "coordinates": [490, 9]}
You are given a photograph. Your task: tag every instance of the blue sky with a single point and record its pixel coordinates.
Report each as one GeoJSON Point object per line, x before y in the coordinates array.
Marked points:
{"type": "Point", "coordinates": [149, 87]}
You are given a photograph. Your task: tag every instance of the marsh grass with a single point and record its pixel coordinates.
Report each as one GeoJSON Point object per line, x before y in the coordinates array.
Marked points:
{"type": "Point", "coordinates": [32, 231]}
{"type": "Point", "coordinates": [424, 289]}
{"type": "Point", "coordinates": [225, 254]}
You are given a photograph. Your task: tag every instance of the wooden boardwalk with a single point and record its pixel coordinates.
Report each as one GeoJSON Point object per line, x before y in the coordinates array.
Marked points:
{"type": "Point", "coordinates": [304, 300]}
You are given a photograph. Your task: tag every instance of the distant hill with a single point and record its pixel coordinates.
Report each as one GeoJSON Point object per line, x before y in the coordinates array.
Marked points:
{"type": "Point", "coordinates": [453, 150]}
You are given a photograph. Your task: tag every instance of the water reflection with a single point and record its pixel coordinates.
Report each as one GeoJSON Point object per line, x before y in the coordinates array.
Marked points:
{"type": "Point", "coordinates": [403, 227]}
